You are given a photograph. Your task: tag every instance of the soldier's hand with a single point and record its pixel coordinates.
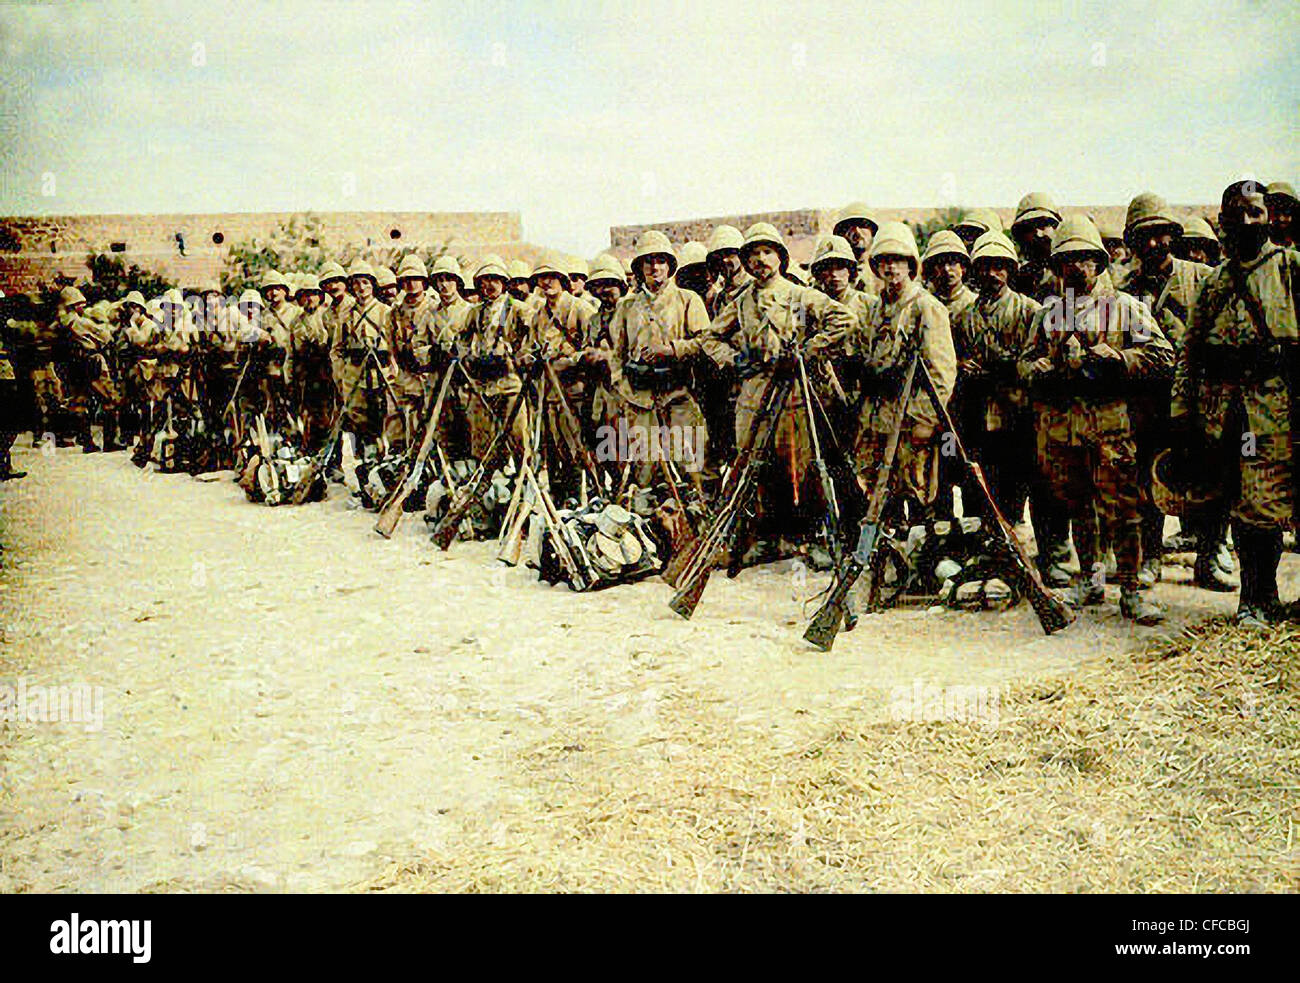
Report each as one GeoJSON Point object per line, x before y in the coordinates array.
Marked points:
{"type": "Point", "coordinates": [968, 366]}
{"type": "Point", "coordinates": [1040, 366]}
{"type": "Point", "coordinates": [656, 352]}
{"type": "Point", "coordinates": [921, 432]}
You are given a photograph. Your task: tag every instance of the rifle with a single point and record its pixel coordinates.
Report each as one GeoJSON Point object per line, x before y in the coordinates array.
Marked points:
{"type": "Point", "coordinates": [303, 488]}
{"type": "Point", "coordinates": [577, 447]}
{"type": "Point", "coordinates": [393, 509]}
{"type": "Point", "coordinates": [467, 494]}
{"type": "Point", "coordinates": [264, 445]}
{"type": "Point", "coordinates": [740, 483]}
{"type": "Point", "coordinates": [825, 624]}
{"type": "Point", "coordinates": [1053, 613]}
{"type": "Point", "coordinates": [823, 473]}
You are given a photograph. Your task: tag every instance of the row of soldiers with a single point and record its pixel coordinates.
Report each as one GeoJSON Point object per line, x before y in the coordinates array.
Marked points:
{"type": "Point", "coordinates": [1070, 360]}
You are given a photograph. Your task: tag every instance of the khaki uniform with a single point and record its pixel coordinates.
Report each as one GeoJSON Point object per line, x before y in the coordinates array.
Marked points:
{"type": "Point", "coordinates": [1169, 298]}
{"type": "Point", "coordinates": [493, 334]}
{"type": "Point", "coordinates": [1086, 448]}
{"type": "Point", "coordinates": [311, 375]}
{"type": "Point", "coordinates": [561, 334]}
{"type": "Point", "coordinates": [410, 325]}
{"type": "Point", "coordinates": [278, 324]}
{"type": "Point", "coordinates": [1233, 385]}
{"type": "Point", "coordinates": [749, 334]}
{"type": "Point", "coordinates": [649, 395]}
{"type": "Point", "coordinates": [47, 384]}
{"type": "Point", "coordinates": [360, 329]}
{"type": "Point", "coordinates": [884, 345]}
{"type": "Point", "coordinates": [1034, 280]}
{"type": "Point", "coordinates": [89, 379]}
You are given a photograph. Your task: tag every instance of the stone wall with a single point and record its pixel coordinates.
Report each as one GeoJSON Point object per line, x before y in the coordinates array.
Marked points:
{"type": "Point", "coordinates": [34, 249]}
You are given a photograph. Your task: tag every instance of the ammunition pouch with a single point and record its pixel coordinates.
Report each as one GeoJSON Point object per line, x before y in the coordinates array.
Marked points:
{"type": "Point", "coordinates": [657, 377]}
{"type": "Point", "coordinates": [751, 362]}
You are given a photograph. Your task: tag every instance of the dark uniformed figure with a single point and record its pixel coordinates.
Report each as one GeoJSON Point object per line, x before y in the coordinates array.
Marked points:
{"type": "Point", "coordinates": [1232, 406]}
{"type": "Point", "coordinates": [1091, 348]}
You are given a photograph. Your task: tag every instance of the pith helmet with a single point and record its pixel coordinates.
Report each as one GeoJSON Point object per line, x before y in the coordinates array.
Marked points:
{"type": "Point", "coordinates": [412, 268]}
{"type": "Point", "coordinates": [1077, 234]}
{"type": "Point", "coordinates": [551, 266]}
{"type": "Point", "coordinates": [765, 234]}
{"type": "Point", "coordinates": [895, 239]}
{"type": "Point", "coordinates": [134, 297]}
{"type": "Point", "coordinates": [250, 296]}
{"type": "Point", "coordinates": [384, 277]}
{"type": "Point", "coordinates": [1281, 191]}
{"type": "Point", "coordinates": [71, 295]}
{"type": "Point", "coordinates": [577, 266]}
{"type": "Point", "coordinates": [360, 267]}
{"type": "Point", "coordinates": [945, 243]}
{"type": "Point", "coordinates": [1149, 210]}
{"type": "Point", "coordinates": [307, 284]}
{"type": "Point", "coordinates": [331, 271]}
{"type": "Point", "coordinates": [856, 211]}
{"type": "Point", "coordinates": [1036, 205]}
{"type": "Point", "coordinates": [693, 254]}
{"type": "Point", "coordinates": [273, 279]}
{"type": "Point", "coordinates": [725, 237]}
{"type": "Point", "coordinates": [654, 243]}
{"type": "Point", "coordinates": [1196, 227]}
{"type": "Point", "coordinates": [491, 265]}
{"type": "Point", "coordinates": [519, 270]}
{"type": "Point", "coordinates": [994, 246]}
{"type": "Point", "coordinates": [977, 221]}
{"type": "Point", "coordinates": [606, 267]}
{"type": "Point", "coordinates": [447, 265]}
{"type": "Point", "coordinates": [832, 249]}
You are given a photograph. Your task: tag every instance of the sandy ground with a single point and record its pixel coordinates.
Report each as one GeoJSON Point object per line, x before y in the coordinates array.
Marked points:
{"type": "Point", "coordinates": [291, 703]}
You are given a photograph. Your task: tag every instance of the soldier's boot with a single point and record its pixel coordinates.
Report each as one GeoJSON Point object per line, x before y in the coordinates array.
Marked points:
{"type": "Point", "coordinates": [85, 438]}
{"type": "Point", "coordinates": [1136, 608]}
{"type": "Point", "coordinates": [1086, 591]}
{"type": "Point", "coordinates": [112, 441]}
{"type": "Point", "coordinates": [1151, 570]}
{"type": "Point", "coordinates": [64, 427]}
{"type": "Point", "coordinates": [1259, 551]}
{"type": "Point", "coordinates": [7, 472]}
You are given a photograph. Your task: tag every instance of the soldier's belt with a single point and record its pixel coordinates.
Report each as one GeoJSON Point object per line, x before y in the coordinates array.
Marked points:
{"type": "Point", "coordinates": [659, 377]}
{"type": "Point", "coordinates": [488, 368]}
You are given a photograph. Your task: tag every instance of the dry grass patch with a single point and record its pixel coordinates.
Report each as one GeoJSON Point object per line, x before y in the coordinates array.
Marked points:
{"type": "Point", "coordinates": [1175, 768]}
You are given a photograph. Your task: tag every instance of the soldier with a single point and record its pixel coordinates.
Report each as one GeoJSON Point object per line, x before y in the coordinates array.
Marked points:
{"type": "Point", "coordinates": [1198, 242]}
{"type": "Point", "coordinates": [1091, 348]}
{"type": "Point", "coordinates": [727, 272]}
{"type": "Point", "coordinates": [386, 287]}
{"type": "Point", "coordinates": [693, 268]}
{"type": "Point", "coordinates": [9, 411]}
{"type": "Point", "coordinates": [974, 223]}
{"type": "Point", "coordinates": [607, 285]}
{"type": "Point", "coordinates": [654, 334]}
{"type": "Point", "coordinates": [558, 332]}
{"type": "Point", "coordinates": [310, 373]}
{"type": "Point", "coordinates": [909, 320]}
{"type": "Point", "coordinates": [1036, 219]}
{"type": "Point", "coordinates": [1232, 406]}
{"type": "Point", "coordinates": [1282, 206]}
{"type": "Point", "coordinates": [433, 351]}
{"type": "Point", "coordinates": [521, 284]}
{"type": "Point", "coordinates": [278, 319]}
{"type": "Point", "coordinates": [750, 334]}
{"type": "Point", "coordinates": [47, 384]}
{"type": "Point", "coordinates": [1168, 286]}
{"type": "Point", "coordinates": [90, 383]}
{"type": "Point", "coordinates": [361, 357]}
{"type": "Point", "coordinates": [1114, 239]}
{"type": "Point", "coordinates": [858, 224]}
{"type": "Point", "coordinates": [174, 390]}
{"type": "Point", "coordinates": [250, 340]}
{"type": "Point", "coordinates": [410, 326]}
{"type": "Point", "coordinates": [496, 327]}
{"type": "Point", "coordinates": [577, 270]}
{"type": "Point", "coordinates": [988, 337]}
{"type": "Point", "coordinates": [833, 268]}
{"type": "Point", "coordinates": [129, 315]}
{"type": "Point", "coordinates": [334, 283]}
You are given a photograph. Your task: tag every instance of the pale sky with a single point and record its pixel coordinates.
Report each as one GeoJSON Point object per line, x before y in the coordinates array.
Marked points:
{"type": "Point", "coordinates": [584, 115]}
